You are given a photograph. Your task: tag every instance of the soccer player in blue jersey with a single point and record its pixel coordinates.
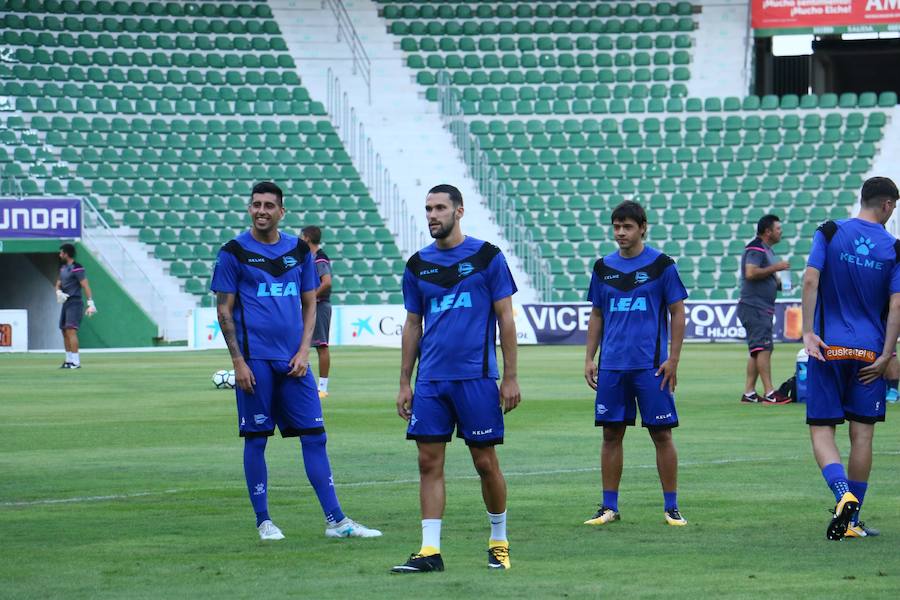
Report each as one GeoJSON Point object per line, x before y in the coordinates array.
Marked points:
{"type": "Point", "coordinates": [851, 320]}
{"type": "Point", "coordinates": [463, 289]}
{"type": "Point", "coordinates": [265, 283]}
{"type": "Point", "coordinates": [637, 296]}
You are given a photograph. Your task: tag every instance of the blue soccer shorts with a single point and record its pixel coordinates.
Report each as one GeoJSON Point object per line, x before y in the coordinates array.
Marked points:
{"type": "Point", "coordinates": [291, 403]}
{"type": "Point", "coordinates": [471, 406]}
{"type": "Point", "coordinates": [834, 393]}
{"type": "Point", "coordinates": [620, 393]}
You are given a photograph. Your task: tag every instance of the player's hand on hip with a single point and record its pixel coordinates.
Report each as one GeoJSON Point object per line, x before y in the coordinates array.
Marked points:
{"type": "Point", "coordinates": [590, 373]}
{"type": "Point", "coordinates": [243, 376]}
{"type": "Point", "coordinates": [875, 371]}
{"type": "Point", "coordinates": [299, 364]}
{"type": "Point", "coordinates": [669, 371]}
{"type": "Point", "coordinates": [510, 396]}
{"type": "Point", "coordinates": [404, 402]}
{"type": "Point", "coordinates": [814, 345]}
{"type": "Point", "coordinates": [61, 297]}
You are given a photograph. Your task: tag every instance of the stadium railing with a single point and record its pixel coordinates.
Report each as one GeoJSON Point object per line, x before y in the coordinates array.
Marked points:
{"type": "Point", "coordinates": [502, 206]}
{"type": "Point", "coordinates": [346, 31]}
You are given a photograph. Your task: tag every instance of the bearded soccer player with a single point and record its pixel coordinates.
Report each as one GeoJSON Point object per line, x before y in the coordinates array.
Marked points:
{"type": "Point", "coordinates": [265, 283]}
{"type": "Point", "coordinates": [463, 288]}
{"type": "Point", "coordinates": [636, 295]}
{"type": "Point", "coordinates": [851, 320]}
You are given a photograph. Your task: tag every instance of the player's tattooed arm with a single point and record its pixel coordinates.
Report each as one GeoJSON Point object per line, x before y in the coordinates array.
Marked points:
{"type": "Point", "coordinates": [224, 311]}
{"type": "Point", "coordinates": [243, 376]}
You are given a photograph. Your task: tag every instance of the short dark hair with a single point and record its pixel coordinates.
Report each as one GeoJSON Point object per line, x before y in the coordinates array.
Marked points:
{"type": "Point", "coordinates": [765, 223]}
{"type": "Point", "coordinates": [69, 249]}
{"type": "Point", "coordinates": [878, 189]}
{"type": "Point", "coordinates": [629, 209]}
{"type": "Point", "coordinates": [453, 192]}
{"type": "Point", "coordinates": [313, 233]}
{"type": "Point", "coordinates": [267, 187]}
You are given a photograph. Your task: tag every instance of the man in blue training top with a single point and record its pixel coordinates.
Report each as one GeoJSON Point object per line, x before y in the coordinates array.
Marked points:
{"type": "Point", "coordinates": [463, 288]}
{"type": "Point", "coordinates": [851, 320]}
{"type": "Point", "coordinates": [265, 283]}
{"type": "Point", "coordinates": [635, 293]}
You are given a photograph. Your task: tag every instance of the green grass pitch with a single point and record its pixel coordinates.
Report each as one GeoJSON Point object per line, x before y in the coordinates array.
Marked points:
{"type": "Point", "coordinates": [124, 480]}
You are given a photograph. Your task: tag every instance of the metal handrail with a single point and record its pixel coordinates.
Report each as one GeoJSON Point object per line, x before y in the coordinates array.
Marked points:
{"type": "Point", "coordinates": [346, 30]}
{"type": "Point", "coordinates": [502, 204]}
{"type": "Point", "coordinates": [372, 171]}
{"type": "Point", "coordinates": [96, 227]}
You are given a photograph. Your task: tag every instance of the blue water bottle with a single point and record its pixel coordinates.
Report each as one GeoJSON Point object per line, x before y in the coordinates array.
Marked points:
{"type": "Point", "coordinates": [800, 381]}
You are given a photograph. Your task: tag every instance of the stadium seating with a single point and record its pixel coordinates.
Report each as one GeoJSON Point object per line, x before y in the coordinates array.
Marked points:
{"type": "Point", "coordinates": [164, 114]}
{"type": "Point", "coordinates": [578, 106]}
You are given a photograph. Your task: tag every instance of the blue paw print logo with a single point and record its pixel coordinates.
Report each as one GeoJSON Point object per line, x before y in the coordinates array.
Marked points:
{"type": "Point", "coordinates": [863, 245]}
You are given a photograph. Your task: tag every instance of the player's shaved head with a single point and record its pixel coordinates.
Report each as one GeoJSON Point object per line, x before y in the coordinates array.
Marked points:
{"type": "Point", "coordinates": [267, 187]}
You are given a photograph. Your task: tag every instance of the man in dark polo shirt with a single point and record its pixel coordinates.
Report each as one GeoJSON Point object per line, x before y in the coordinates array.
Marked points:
{"type": "Point", "coordinates": [759, 285]}
{"type": "Point", "coordinates": [72, 280]}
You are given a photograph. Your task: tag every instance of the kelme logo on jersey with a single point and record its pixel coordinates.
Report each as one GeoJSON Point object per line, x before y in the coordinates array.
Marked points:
{"type": "Point", "coordinates": [289, 261]}
{"type": "Point", "coordinates": [277, 289]}
{"type": "Point", "coordinates": [627, 304]}
{"type": "Point", "coordinates": [863, 247]}
{"type": "Point", "coordinates": [465, 268]}
{"type": "Point", "coordinates": [451, 301]}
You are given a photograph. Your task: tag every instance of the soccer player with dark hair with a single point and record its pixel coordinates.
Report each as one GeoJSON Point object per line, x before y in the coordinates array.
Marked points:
{"type": "Point", "coordinates": [851, 320]}
{"type": "Point", "coordinates": [72, 280]}
{"type": "Point", "coordinates": [265, 283]}
{"type": "Point", "coordinates": [637, 295]}
{"type": "Point", "coordinates": [312, 235]}
{"type": "Point", "coordinates": [463, 288]}
{"type": "Point", "coordinates": [759, 285]}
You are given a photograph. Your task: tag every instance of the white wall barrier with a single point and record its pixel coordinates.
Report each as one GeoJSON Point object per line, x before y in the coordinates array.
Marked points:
{"type": "Point", "coordinates": [14, 330]}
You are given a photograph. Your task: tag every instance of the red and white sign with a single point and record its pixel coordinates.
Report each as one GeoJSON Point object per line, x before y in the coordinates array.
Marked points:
{"type": "Point", "coordinates": [778, 14]}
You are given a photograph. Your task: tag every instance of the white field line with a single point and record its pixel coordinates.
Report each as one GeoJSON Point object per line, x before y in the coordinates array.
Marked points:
{"type": "Point", "coordinates": [354, 484]}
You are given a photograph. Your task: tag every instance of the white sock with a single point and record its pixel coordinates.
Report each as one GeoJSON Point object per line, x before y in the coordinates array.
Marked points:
{"type": "Point", "coordinates": [68, 357]}
{"type": "Point", "coordinates": [323, 384]}
{"type": "Point", "coordinates": [75, 359]}
{"type": "Point", "coordinates": [431, 533]}
{"type": "Point", "coordinates": [498, 526]}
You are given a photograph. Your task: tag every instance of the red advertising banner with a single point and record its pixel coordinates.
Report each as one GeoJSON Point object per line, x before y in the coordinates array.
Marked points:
{"type": "Point", "coordinates": [871, 15]}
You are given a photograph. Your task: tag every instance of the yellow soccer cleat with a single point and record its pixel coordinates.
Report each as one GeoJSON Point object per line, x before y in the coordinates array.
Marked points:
{"type": "Point", "coordinates": [859, 530]}
{"type": "Point", "coordinates": [674, 518]}
{"type": "Point", "coordinates": [603, 516]}
{"type": "Point", "coordinates": [843, 513]}
{"type": "Point", "coordinates": [498, 555]}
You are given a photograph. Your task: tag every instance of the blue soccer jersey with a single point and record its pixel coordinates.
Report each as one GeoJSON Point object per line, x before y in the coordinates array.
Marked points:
{"type": "Point", "coordinates": [454, 290]}
{"type": "Point", "coordinates": [858, 273]}
{"type": "Point", "coordinates": [634, 295]}
{"type": "Point", "coordinates": [267, 280]}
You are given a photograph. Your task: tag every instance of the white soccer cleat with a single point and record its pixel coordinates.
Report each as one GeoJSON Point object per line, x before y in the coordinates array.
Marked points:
{"type": "Point", "coordinates": [350, 528]}
{"type": "Point", "coordinates": [268, 531]}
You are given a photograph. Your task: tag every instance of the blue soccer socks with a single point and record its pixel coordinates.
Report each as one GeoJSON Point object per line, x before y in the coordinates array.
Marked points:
{"type": "Point", "coordinates": [671, 500]}
{"type": "Point", "coordinates": [318, 471]}
{"type": "Point", "coordinates": [611, 499]}
{"type": "Point", "coordinates": [836, 478]}
{"type": "Point", "coordinates": [858, 489]}
{"type": "Point", "coordinates": [257, 476]}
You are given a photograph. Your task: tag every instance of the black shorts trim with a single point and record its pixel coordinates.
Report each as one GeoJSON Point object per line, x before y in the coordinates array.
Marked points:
{"type": "Point", "coordinates": [291, 432]}
{"type": "Point", "coordinates": [430, 439]}
{"type": "Point", "coordinates": [660, 427]}
{"type": "Point", "coordinates": [484, 443]}
{"type": "Point", "coordinates": [824, 422]}
{"type": "Point", "coordinates": [628, 423]}
{"type": "Point", "coordinates": [257, 434]}
{"type": "Point", "coordinates": [862, 419]}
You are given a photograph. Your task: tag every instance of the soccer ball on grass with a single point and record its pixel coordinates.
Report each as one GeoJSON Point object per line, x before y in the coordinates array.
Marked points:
{"type": "Point", "coordinates": [223, 380]}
